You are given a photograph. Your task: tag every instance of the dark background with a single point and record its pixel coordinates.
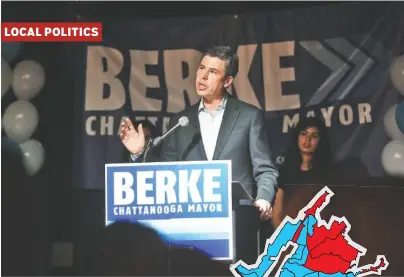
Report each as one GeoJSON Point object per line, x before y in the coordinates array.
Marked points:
{"type": "Point", "coordinates": [66, 210]}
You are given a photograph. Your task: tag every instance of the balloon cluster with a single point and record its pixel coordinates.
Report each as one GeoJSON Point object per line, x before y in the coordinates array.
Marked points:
{"type": "Point", "coordinates": [393, 152]}
{"type": "Point", "coordinates": [20, 118]}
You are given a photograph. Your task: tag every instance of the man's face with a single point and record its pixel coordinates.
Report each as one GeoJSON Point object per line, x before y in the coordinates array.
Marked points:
{"type": "Point", "coordinates": [210, 77]}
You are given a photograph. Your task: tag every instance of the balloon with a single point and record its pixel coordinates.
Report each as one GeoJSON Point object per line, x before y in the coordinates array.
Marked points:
{"type": "Point", "coordinates": [33, 155]}
{"type": "Point", "coordinates": [20, 120]}
{"type": "Point", "coordinates": [9, 50]}
{"type": "Point", "coordinates": [393, 158]}
{"type": "Point", "coordinates": [6, 77]}
{"type": "Point", "coordinates": [28, 79]}
{"type": "Point", "coordinates": [397, 74]}
{"type": "Point", "coordinates": [390, 124]}
{"type": "Point", "coordinates": [400, 116]}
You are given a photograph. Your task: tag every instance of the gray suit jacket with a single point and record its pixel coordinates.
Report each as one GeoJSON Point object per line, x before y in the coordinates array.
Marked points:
{"type": "Point", "coordinates": [242, 139]}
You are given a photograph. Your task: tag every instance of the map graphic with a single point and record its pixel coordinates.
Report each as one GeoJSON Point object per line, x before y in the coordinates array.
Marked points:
{"type": "Point", "coordinates": [319, 248]}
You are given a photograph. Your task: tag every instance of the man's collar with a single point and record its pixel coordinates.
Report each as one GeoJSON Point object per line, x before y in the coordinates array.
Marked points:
{"type": "Point", "coordinates": [220, 107]}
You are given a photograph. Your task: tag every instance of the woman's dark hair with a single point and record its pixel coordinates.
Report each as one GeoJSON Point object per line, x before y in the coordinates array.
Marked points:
{"type": "Point", "coordinates": [322, 158]}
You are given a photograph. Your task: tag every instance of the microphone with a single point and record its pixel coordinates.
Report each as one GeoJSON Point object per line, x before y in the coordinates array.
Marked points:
{"type": "Point", "coordinates": [182, 122]}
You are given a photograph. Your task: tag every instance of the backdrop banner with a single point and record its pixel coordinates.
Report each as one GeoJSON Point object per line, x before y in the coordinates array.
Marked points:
{"type": "Point", "coordinates": [331, 61]}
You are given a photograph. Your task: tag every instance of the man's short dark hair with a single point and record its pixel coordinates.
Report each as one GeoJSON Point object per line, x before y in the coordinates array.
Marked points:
{"type": "Point", "coordinates": [226, 54]}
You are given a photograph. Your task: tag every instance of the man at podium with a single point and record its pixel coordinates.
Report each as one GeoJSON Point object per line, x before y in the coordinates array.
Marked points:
{"type": "Point", "coordinates": [219, 127]}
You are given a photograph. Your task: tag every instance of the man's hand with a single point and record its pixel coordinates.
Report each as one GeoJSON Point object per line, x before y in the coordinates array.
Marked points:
{"type": "Point", "coordinates": [133, 140]}
{"type": "Point", "coordinates": [265, 209]}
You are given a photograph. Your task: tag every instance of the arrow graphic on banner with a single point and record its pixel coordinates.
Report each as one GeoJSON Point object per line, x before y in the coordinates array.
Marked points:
{"type": "Point", "coordinates": [348, 67]}
{"type": "Point", "coordinates": [359, 68]}
{"type": "Point", "coordinates": [362, 64]}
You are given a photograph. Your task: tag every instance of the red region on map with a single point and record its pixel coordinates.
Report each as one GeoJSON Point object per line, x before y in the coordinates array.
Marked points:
{"type": "Point", "coordinates": [320, 201]}
{"type": "Point", "coordinates": [329, 251]}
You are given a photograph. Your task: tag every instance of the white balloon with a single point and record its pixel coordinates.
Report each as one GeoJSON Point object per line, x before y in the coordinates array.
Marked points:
{"type": "Point", "coordinates": [393, 158]}
{"type": "Point", "coordinates": [6, 77]}
{"type": "Point", "coordinates": [397, 74]}
{"type": "Point", "coordinates": [20, 120]}
{"type": "Point", "coordinates": [33, 155]}
{"type": "Point", "coordinates": [28, 79]}
{"type": "Point", "coordinates": [390, 124]}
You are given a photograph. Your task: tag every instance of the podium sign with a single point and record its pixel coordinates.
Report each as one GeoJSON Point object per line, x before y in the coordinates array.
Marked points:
{"type": "Point", "coordinates": [188, 203]}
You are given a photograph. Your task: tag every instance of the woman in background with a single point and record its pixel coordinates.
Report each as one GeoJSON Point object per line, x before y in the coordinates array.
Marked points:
{"type": "Point", "coordinates": [308, 160]}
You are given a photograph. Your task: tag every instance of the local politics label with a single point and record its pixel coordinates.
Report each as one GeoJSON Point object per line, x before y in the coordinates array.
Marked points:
{"type": "Point", "coordinates": [51, 32]}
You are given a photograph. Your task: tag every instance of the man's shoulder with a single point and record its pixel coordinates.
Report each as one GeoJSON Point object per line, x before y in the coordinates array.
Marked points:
{"type": "Point", "coordinates": [246, 107]}
{"type": "Point", "coordinates": [243, 106]}
{"type": "Point", "coordinates": [187, 110]}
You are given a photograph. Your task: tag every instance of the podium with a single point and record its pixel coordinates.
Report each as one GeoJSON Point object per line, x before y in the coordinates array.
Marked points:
{"type": "Point", "coordinates": [246, 222]}
{"type": "Point", "coordinates": [190, 204]}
